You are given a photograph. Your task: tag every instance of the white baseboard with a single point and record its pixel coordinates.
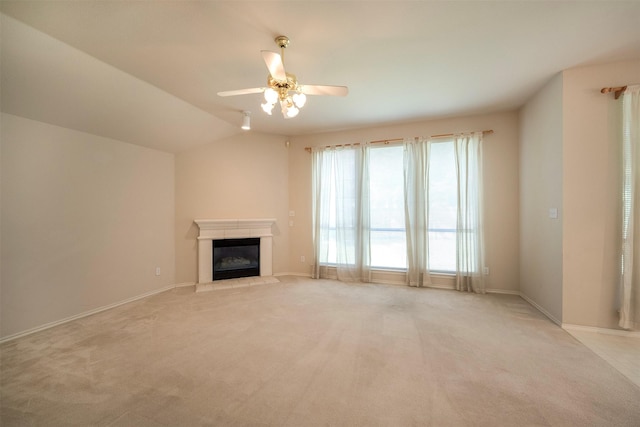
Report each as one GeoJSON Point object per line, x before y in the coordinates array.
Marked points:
{"type": "Point", "coordinates": [87, 313]}
{"type": "Point", "coordinates": [606, 331]}
{"type": "Point", "coordinates": [541, 309]}
{"type": "Point", "coordinates": [389, 281]}
{"type": "Point", "coordinates": [503, 292]}
{"type": "Point", "coordinates": [437, 286]}
{"type": "Point", "coordinates": [293, 274]}
{"type": "Point", "coordinates": [184, 285]}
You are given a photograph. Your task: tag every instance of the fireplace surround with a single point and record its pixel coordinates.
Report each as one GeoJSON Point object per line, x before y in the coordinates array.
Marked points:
{"type": "Point", "coordinates": [220, 229]}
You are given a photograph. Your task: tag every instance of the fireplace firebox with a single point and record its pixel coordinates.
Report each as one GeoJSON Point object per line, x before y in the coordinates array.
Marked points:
{"type": "Point", "coordinates": [234, 258]}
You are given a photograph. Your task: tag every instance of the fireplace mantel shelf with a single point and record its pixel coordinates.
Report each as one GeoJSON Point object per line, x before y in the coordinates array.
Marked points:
{"type": "Point", "coordinates": [217, 229]}
{"type": "Point", "coordinates": [234, 228]}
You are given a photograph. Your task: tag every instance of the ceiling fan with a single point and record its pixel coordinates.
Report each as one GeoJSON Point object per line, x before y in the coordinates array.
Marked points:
{"type": "Point", "coordinates": [283, 86]}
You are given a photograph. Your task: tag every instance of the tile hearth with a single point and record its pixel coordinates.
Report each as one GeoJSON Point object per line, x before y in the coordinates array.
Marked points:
{"type": "Point", "coordinates": [242, 282]}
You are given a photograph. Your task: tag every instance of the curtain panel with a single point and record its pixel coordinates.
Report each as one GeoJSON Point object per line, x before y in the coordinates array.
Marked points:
{"type": "Point", "coordinates": [341, 175]}
{"type": "Point", "coordinates": [630, 281]}
{"type": "Point", "coordinates": [470, 223]}
{"type": "Point", "coordinates": [416, 203]}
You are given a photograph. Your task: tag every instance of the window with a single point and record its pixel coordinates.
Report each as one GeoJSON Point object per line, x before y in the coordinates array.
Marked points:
{"type": "Point", "coordinates": [388, 236]}
{"type": "Point", "coordinates": [442, 207]}
{"type": "Point", "coordinates": [388, 239]}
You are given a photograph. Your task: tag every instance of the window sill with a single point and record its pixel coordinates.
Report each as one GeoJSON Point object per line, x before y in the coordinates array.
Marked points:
{"type": "Point", "coordinates": [393, 270]}
{"type": "Point", "coordinates": [398, 276]}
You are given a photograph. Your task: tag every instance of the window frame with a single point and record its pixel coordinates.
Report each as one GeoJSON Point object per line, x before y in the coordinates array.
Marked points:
{"type": "Point", "coordinates": [332, 230]}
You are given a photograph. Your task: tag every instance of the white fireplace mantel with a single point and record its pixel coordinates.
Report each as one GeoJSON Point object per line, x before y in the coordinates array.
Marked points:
{"type": "Point", "coordinates": [218, 229]}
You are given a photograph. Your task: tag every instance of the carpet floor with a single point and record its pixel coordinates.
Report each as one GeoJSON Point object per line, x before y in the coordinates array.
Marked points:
{"type": "Point", "coordinates": [308, 352]}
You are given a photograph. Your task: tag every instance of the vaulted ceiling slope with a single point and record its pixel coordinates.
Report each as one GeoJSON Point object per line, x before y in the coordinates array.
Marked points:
{"type": "Point", "coordinates": [149, 72]}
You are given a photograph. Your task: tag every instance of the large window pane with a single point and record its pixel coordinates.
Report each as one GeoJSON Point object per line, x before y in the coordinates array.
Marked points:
{"type": "Point", "coordinates": [442, 207]}
{"type": "Point", "coordinates": [389, 248]}
{"type": "Point", "coordinates": [388, 240]}
{"type": "Point", "coordinates": [442, 251]}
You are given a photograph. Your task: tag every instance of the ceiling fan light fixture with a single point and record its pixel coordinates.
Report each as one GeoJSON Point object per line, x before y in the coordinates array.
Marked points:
{"type": "Point", "coordinates": [288, 109]}
{"type": "Point", "coordinates": [271, 96]}
{"type": "Point", "coordinates": [299, 99]}
{"type": "Point", "coordinates": [293, 111]}
{"type": "Point", "coordinates": [267, 107]}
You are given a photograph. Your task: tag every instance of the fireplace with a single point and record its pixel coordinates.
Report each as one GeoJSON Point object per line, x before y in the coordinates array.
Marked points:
{"type": "Point", "coordinates": [234, 258]}
{"type": "Point", "coordinates": [233, 229]}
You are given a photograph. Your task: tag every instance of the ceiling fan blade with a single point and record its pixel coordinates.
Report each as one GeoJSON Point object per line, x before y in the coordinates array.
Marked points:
{"type": "Point", "coordinates": [241, 91]}
{"type": "Point", "coordinates": [324, 90]}
{"type": "Point", "coordinates": [274, 65]}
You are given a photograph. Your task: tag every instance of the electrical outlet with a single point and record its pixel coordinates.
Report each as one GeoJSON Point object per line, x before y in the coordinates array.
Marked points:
{"type": "Point", "coordinates": [485, 271]}
{"type": "Point", "coordinates": [292, 213]}
{"type": "Point", "coordinates": [157, 271]}
{"type": "Point", "coordinates": [302, 258]}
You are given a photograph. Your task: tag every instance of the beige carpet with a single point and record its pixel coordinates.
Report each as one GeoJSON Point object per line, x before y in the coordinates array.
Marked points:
{"type": "Point", "coordinates": [313, 353]}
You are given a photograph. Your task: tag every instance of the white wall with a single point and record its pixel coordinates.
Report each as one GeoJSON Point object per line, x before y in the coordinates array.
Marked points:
{"type": "Point", "coordinates": [49, 81]}
{"type": "Point", "coordinates": [501, 183]}
{"type": "Point", "coordinates": [85, 221]}
{"type": "Point", "coordinates": [591, 191]}
{"type": "Point", "coordinates": [245, 176]}
{"type": "Point", "coordinates": [541, 190]}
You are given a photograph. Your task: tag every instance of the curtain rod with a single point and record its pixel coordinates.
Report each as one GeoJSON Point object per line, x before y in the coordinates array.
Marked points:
{"type": "Point", "coordinates": [618, 90]}
{"type": "Point", "coordinates": [387, 141]}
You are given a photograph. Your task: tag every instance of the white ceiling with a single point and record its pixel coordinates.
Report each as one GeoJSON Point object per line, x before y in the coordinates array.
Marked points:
{"type": "Point", "coordinates": [402, 60]}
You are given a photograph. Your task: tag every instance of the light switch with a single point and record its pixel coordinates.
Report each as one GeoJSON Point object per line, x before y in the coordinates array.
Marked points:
{"type": "Point", "coordinates": [553, 213]}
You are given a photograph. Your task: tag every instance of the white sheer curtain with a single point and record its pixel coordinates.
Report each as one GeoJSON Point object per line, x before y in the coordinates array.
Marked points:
{"type": "Point", "coordinates": [341, 216]}
{"type": "Point", "coordinates": [470, 224]}
{"type": "Point", "coordinates": [321, 168]}
{"type": "Point", "coordinates": [630, 308]}
{"type": "Point", "coordinates": [342, 172]}
{"type": "Point", "coordinates": [416, 196]}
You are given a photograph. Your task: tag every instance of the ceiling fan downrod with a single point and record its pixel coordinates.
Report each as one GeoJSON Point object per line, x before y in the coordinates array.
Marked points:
{"type": "Point", "coordinates": [282, 42]}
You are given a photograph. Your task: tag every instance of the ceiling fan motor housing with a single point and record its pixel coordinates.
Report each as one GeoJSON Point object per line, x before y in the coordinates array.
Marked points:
{"type": "Point", "coordinates": [283, 86]}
